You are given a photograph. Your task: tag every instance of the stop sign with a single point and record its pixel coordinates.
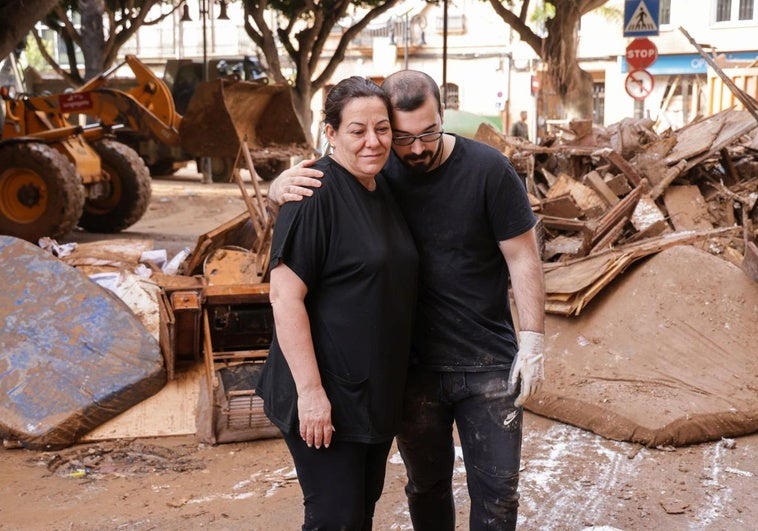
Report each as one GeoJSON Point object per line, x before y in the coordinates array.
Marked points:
{"type": "Point", "coordinates": [641, 53]}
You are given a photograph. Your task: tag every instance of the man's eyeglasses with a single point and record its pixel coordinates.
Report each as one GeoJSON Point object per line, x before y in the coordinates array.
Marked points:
{"type": "Point", "coordinates": [410, 139]}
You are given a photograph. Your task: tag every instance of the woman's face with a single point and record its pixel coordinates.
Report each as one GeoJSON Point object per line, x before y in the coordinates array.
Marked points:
{"type": "Point", "coordinates": [362, 143]}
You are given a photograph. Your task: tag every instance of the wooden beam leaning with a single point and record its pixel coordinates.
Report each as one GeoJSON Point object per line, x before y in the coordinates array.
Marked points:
{"type": "Point", "coordinates": [747, 100]}
{"type": "Point", "coordinates": [621, 163]}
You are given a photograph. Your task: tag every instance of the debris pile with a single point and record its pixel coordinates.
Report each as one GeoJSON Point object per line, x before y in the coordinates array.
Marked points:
{"type": "Point", "coordinates": [608, 196]}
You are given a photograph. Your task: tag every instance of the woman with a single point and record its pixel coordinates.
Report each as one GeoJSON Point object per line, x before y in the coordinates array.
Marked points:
{"type": "Point", "coordinates": [343, 290]}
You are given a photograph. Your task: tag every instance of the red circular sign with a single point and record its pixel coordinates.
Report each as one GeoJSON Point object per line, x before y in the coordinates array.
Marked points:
{"type": "Point", "coordinates": [641, 53]}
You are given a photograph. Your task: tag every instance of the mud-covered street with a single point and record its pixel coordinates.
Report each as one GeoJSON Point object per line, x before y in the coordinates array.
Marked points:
{"type": "Point", "coordinates": [571, 479]}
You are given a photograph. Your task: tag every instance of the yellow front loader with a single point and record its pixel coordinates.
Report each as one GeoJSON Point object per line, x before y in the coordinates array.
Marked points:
{"type": "Point", "coordinates": [56, 174]}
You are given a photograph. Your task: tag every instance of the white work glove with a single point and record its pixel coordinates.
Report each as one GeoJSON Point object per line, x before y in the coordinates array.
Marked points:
{"type": "Point", "coordinates": [528, 366]}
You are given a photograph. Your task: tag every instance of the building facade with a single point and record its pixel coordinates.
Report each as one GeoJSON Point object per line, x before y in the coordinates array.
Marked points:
{"type": "Point", "coordinates": [486, 70]}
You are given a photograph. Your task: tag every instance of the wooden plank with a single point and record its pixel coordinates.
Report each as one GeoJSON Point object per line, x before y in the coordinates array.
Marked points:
{"type": "Point", "coordinates": [649, 162]}
{"type": "Point", "coordinates": [623, 166]}
{"type": "Point", "coordinates": [169, 412]}
{"type": "Point", "coordinates": [731, 172]}
{"type": "Point", "coordinates": [570, 285]}
{"type": "Point", "coordinates": [618, 184]}
{"type": "Point", "coordinates": [595, 181]}
{"type": "Point", "coordinates": [237, 231]}
{"type": "Point", "coordinates": [564, 245]}
{"type": "Point", "coordinates": [563, 206]}
{"type": "Point", "coordinates": [236, 294]}
{"type": "Point", "coordinates": [623, 209]}
{"type": "Point", "coordinates": [746, 99]}
{"type": "Point", "coordinates": [687, 208]}
{"type": "Point", "coordinates": [669, 176]}
{"type": "Point", "coordinates": [552, 222]}
{"type": "Point", "coordinates": [736, 124]}
{"type": "Point", "coordinates": [696, 138]}
{"type": "Point", "coordinates": [187, 311]}
{"type": "Point", "coordinates": [239, 355]}
{"type": "Point", "coordinates": [610, 236]}
{"type": "Point", "coordinates": [647, 215]}
{"type": "Point", "coordinates": [584, 196]}
{"type": "Point", "coordinates": [750, 262]}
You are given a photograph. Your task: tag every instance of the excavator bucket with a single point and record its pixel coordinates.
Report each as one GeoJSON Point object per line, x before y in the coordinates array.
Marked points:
{"type": "Point", "coordinates": [222, 113]}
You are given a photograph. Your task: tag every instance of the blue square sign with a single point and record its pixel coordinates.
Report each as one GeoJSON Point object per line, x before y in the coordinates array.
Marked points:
{"type": "Point", "coordinates": [641, 17]}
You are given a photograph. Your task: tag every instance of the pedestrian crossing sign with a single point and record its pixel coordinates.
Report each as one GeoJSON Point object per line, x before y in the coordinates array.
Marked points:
{"type": "Point", "coordinates": [641, 18]}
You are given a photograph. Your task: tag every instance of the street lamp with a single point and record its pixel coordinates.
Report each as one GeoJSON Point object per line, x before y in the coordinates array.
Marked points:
{"type": "Point", "coordinates": [205, 162]}
{"type": "Point", "coordinates": [204, 11]}
{"type": "Point", "coordinates": [408, 23]}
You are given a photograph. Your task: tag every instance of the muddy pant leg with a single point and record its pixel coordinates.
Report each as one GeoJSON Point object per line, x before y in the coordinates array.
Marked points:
{"type": "Point", "coordinates": [426, 445]}
{"type": "Point", "coordinates": [341, 484]}
{"type": "Point", "coordinates": [490, 429]}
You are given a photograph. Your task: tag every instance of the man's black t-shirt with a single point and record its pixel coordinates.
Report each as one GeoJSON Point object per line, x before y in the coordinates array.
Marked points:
{"type": "Point", "coordinates": [352, 249]}
{"type": "Point", "coordinates": [458, 213]}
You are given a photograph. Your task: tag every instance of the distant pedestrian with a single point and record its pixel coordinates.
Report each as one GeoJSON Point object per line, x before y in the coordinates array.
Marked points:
{"type": "Point", "coordinates": [521, 128]}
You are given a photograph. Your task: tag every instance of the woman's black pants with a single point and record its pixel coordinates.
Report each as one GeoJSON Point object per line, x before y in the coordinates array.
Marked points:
{"type": "Point", "coordinates": [341, 484]}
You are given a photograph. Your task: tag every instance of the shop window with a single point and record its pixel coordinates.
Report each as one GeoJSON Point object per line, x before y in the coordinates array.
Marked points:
{"type": "Point", "coordinates": [450, 94]}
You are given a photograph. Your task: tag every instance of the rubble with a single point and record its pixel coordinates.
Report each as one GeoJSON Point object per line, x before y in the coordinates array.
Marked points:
{"type": "Point", "coordinates": [606, 197]}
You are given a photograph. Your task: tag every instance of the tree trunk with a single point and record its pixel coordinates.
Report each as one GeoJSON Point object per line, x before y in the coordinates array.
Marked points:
{"type": "Point", "coordinates": [301, 103]}
{"type": "Point", "coordinates": [93, 36]}
{"type": "Point", "coordinates": [17, 17]}
{"type": "Point", "coordinates": [573, 85]}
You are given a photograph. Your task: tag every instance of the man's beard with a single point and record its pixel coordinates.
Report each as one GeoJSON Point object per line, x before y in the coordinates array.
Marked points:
{"type": "Point", "coordinates": [419, 163]}
{"type": "Point", "coordinates": [424, 161]}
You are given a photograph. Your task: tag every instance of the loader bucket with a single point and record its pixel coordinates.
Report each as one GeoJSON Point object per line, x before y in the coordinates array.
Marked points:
{"type": "Point", "coordinates": [222, 113]}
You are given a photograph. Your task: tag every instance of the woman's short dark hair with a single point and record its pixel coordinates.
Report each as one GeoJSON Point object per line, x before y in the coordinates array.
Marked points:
{"type": "Point", "coordinates": [347, 90]}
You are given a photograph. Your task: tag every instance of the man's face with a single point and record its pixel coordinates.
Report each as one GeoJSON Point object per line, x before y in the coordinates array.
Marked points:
{"type": "Point", "coordinates": [419, 155]}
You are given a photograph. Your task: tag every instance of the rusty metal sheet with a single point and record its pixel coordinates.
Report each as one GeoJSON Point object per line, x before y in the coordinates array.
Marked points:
{"type": "Point", "coordinates": [72, 355]}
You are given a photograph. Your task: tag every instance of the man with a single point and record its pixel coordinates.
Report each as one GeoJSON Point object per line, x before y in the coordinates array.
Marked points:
{"type": "Point", "coordinates": [474, 229]}
{"type": "Point", "coordinates": [521, 128]}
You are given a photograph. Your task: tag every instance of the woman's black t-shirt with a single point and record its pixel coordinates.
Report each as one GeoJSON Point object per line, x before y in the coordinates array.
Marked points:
{"type": "Point", "coordinates": [353, 250]}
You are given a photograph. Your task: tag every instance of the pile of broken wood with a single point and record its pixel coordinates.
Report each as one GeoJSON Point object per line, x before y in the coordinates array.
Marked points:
{"type": "Point", "coordinates": [607, 197]}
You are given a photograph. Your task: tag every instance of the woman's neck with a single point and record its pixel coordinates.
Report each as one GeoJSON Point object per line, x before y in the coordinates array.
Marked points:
{"type": "Point", "coordinates": [369, 183]}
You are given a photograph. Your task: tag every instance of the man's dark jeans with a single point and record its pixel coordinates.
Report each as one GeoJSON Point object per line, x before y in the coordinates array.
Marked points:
{"type": "Point", "coordinates": [489, 427]}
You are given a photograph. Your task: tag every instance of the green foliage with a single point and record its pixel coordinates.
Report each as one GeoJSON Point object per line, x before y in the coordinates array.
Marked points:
{"type": "Point", "coordinates": [33, 57]}
{"type": "Point", "coordinates": [543, 12]}
{"type": "Point", "coordinates": [613, 14]}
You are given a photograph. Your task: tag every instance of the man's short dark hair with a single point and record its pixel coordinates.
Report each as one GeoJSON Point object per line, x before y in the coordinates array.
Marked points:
{"type": "Point", "coordinates": [409, 89]}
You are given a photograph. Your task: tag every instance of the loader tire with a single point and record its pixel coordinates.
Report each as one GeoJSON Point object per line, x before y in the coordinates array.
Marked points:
{"type": "Point", "coordinates": [40, 192]}
{"type": "Point", "coordinates": [127, 190]}
{"type": "Point", "coordinates": [269, 168]}
{"type": "Point", "coordinates": [162, 168]}
{"type": "Point", "coordinates": [221, 169]}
